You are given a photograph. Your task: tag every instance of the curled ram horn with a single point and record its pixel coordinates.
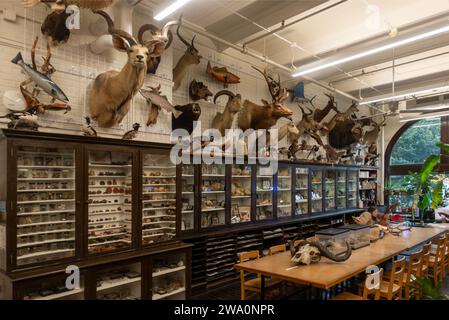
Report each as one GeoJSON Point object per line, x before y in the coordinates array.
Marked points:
{"type": "Point", "coordinates": [306, 252]}
{"type": "Point", "coordinates": [223, 92]}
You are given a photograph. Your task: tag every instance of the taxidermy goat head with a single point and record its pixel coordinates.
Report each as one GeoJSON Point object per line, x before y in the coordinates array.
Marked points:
{"type": "Point", "coordinates": [191, 56]}
{"type": "Point", "coordinates": [223, 121]}
{"type": "Point", "coordinates": [112, 91]}
{"type": "Point", "coordinates": [198, 91]}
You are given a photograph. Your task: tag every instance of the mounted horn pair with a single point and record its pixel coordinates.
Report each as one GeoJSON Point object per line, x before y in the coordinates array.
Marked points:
{"type": "Point", "coordinates": [190, 46]}
{"type": "Point", "coordinates": [223, 93]}
{"type": "Point", "coordinates": [273, 86]}
{"type": "Point", "coordinates": [303, 112]}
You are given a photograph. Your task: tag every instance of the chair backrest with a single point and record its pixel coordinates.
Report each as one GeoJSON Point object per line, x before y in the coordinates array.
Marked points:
{"type": "Point", "coordinates": [441, 250]}
{"type": "Point", "coordinates": [247, 256]}
{"type": "Point", "coordinates": [414, 266]}
{"type": "Point", "coordinates": [277, 249]}
{"type": "Point", "coordinates": [397, 274]}
{"type": "Point", "coordinates": [375, 290]}
{"type": "Point", "coordinates": [426, 256]}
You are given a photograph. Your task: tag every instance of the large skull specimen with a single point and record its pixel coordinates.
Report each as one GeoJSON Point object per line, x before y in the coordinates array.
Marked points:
{"type": "Point", "coordinates": [306, 252]}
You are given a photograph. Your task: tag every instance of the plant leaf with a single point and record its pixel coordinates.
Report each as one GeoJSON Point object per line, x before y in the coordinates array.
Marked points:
{"type": "Point", "coordinates": [443, 146]}
{"type": "Point", "coordinates": [428, 167]}
{"type": "Point", "coordinates": [437, 194]}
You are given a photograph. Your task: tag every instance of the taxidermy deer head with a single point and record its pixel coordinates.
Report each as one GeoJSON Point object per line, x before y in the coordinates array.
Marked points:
{"type": "Point", "coordinates": [112, 91]}
{"type": "Point", "coordinates": [191, 56]}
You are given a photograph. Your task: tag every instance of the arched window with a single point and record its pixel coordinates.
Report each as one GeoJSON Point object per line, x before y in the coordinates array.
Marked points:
{"type": "Point", "coordinates": [407, 151]}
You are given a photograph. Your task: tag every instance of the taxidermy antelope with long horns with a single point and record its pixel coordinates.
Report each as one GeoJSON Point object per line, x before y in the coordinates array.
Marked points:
{"type": "Point", "coordinates": [191, 56]}
{"type": "Point", "coordinates": [112, 91]}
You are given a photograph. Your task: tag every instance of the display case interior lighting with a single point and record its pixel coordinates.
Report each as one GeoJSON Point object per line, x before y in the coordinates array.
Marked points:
{"type": "Point", "coordinates": [170, 9]}
{"type": "Point", "coordinates": [360, 55]}
{"type": "Point", "coordinates": [409, 94]}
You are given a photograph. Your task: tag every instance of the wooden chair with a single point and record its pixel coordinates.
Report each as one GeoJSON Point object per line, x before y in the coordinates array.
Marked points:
{"type": "Point", "coordinates": [367, 292]}
{"type": "Point", "coordinates": [254, 283]}
{"type": "Point", "coordinates": [413, 270]}
{"type": "Point", "coordinates": [446, 255]}
{"type": "Point", "coordinates": [391, 287]}
{"type": "Point", "coordinates": [436, 261]}
{"type": "Point", "coordinates": [276, 249]}
{"type": "Point", "coordinates": [426, 260]}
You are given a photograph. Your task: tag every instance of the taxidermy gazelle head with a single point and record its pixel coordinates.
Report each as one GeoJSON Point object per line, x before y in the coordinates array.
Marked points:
{"type": "Point", "coordinates": [112, 91]}
{"type": "Point", "coordinates": [191, 56]}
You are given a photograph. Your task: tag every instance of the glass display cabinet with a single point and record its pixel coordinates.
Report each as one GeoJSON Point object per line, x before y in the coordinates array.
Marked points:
{"type": "Point", "coordinates": [329, 188]}
{"type": "Point", "coordinates": [169, 277]}
{"type": "Point", "coordinates": [301, 191]}
{"type": "Point", "coordinates": [121, 282]}
{"type": "Point", "coordinates": [213, 195]}
{"type": "Point", "coordinates": [50, 288]}
{"type": "Point", "coordinates": [158, 198]}
{"type": "Point", "coordinates": [46, 203]}
{"type": "Point", "coordinates": [110, 191]}
{"type": "Point", "coordinates": [352, 188]}
{"type": "Point", "coordinates": [241, 195]}
{"type": "Point", "coordinates": [284, 192]}
{"type": "Point", "coordinates": [341, 189]}
{"type": "Point", "coordinates": [187, 193]}
{"type": "Point", "coordinates": [264, 193]}
{"type": "Point", "coordinates": [316, 192]}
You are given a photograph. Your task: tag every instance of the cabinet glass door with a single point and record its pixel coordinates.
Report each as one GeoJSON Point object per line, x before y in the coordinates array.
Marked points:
{"type": "Point", "coordinates": [341, 189]}
{"type": "Point", "coordinates": [212, 195]}
{"type": "Point", "coordinates": [352, 189]}
{"type": "Point", "coordinates": [159, 198]}
{"type": "Point", "coordinates": [52, 288]}
{"type": "Point", "coordinates": [187, 197]}
{"type": "Point", "coordinates": [317, 190]}
{"type": "Point", "coordinates": [119, 283]}
{"type": "Point", "coordinates": [330, 190]}
{"type": "Point", "coordinates": [241, 193]}
{"type": "Point", "coordinates": [264, 193]}
{"type": "Point", "coordinates": [45, 203]}
{"type": "Point", "coordinates": [284, 192]}
{"type": "Point", "coordinates": [110, 201]}
{"type": "Point", "coordinates": [169, 277]}
{"type": "Point", "coordinates": [302, 191]}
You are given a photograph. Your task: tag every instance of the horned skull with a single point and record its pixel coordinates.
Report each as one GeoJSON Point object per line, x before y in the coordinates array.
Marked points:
{"type": "Point", "coordinates": [306, 254]}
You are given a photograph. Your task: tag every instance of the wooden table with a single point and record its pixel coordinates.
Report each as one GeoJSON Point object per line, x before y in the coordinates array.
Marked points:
{"type": "Point", "coordinates": [327, 273]}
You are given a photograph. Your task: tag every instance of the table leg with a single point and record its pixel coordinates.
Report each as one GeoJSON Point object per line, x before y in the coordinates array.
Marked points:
{"type": "Point", "coordinates": [262, 287]}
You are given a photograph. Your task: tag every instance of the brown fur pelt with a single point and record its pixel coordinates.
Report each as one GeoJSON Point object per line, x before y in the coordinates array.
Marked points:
{"type": "Point", "coordinates": [54, 28]}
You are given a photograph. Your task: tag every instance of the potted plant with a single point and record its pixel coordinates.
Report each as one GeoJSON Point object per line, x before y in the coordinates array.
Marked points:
{"type": "Point", "coordinates": [426, 186]}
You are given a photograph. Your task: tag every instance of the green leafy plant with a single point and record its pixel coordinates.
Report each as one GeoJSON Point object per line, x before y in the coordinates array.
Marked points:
{"type": "Point", "coordinates": [425, 185]}
{"type": "Point", "coordinates": [424, 289]}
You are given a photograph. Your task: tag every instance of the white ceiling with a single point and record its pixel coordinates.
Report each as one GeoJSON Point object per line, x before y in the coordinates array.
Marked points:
{"type": "Point", "coordinates": [345, 27]}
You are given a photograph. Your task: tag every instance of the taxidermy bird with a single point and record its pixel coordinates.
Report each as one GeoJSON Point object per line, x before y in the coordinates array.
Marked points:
{"type": "Point", "coordinates": [87, 129]}
{"type": "Point", "coordinates": [132, 134]}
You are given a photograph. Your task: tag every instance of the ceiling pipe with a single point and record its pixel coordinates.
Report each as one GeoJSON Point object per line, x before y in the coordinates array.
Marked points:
{"type": "Point", "coordinates": [283, 25]}
{"type": "Point", "coordinates": [193, 27]}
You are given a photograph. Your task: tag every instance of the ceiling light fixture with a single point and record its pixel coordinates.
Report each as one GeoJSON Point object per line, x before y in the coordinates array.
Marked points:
{"type": "Point", "coordinates": [415, 93]}
{"type": "Point", "coordinates": [392, 45]}
{"type": "Point", "coordinates": [430, 116]}
{"type": "Point", "coordinates": [170, 9]}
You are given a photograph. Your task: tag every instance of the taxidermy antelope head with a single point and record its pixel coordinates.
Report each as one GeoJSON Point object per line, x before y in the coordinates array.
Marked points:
{"type": "Point", "coordinates": [112, 91]}
{"type": "Point", "coordinates": [191, 56]}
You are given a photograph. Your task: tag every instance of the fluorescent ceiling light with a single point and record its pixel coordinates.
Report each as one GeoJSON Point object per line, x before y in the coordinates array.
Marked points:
{"type": "Point", "coordinates": [429, 116]}
{"type": "Point", "coordinates": [415, 93]}
{"type": "Point", "coordinates": [170, 9]}
{"type": "Point", "coordinates": [392, 45]}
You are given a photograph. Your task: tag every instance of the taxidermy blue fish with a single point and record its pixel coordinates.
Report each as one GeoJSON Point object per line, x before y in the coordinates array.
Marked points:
{"type": "Point", "coordinates": [41, 80]}
{"type": "Point", "coordinates": [298, 94]}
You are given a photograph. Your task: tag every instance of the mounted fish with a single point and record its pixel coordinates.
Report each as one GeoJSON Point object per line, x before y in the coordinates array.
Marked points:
{"type": "Point", "coordinates": [156, 101]}
{"type": "Point", "coordinates": [112, 91]}
{"type": "Point", "coordinates": [198, 91]}
{"type": "Point", "coordinates": [191, 56]}
{"type": "Point", "coordinates": [161, 40]}
{"type": "Point", "coordinates": [41, 82]}
{"type": "Point", "coordinates": [222, 75]}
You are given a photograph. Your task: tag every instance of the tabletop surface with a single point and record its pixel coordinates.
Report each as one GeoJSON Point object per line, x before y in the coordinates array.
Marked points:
{"type": "Point", "coordinates": [327, 273]}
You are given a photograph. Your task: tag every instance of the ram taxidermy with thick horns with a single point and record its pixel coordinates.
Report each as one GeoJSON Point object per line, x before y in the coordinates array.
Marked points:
{"type": "Point", "coordinates": [191, 56]}
{"type": "Point", "coordinates": [112, 91]}
{"type": "Point", "coordinates": [223, 121]}
{"type": "Point", "coordinates": [198, 91]}
{"type": "Point", "coordinates": [306, 252]}
{"type": "Point", "coordinates": [161, 40]}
